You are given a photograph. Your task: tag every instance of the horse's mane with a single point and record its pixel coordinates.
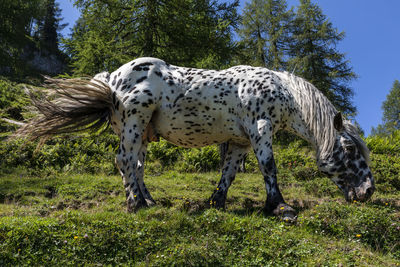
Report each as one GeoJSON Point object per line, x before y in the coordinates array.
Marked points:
{"type": "Point", "coordinates": [318, 114]}
{"type": "Point", "coordinates": [317, 111]}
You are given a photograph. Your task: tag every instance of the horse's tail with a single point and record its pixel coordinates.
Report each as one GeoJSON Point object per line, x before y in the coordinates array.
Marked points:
{"type": "Point", "coordinates": [70, 105]}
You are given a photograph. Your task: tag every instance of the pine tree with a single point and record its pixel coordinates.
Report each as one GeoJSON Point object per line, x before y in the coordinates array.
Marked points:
{"type": "Point", "coordinates": [264, 33]}
{"type": "Point", "coordinates": [313, 55]}
{"type": "Point", "coordinates": [50, 26]}
{"type": "Point", "coordinates": [194, 33]}
{"type": "Point", "coordinates": [16, 17]}
{"type": "Point", "coordinates": [391, 112]}
{"type": "Point", "coordinates": [27, 27]}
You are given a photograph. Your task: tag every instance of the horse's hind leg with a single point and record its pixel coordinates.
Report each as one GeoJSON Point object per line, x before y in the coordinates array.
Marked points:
{"type": "Point", "coordinates": [140, 173]}
{"type": "Point", "coordinates": [261, 140]}
{"type": "Point", "coordinates": [130, 162]}
{"type": "Point", "coordinates": [233, 157]}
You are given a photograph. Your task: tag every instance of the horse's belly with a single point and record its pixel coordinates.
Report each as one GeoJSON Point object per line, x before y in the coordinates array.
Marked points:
{"type": "Point", "coordinates": [192, 129]}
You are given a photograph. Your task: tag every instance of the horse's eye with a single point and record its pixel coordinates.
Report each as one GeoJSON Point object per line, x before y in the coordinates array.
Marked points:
{"type": "Point", "coordinates": [349, 149]}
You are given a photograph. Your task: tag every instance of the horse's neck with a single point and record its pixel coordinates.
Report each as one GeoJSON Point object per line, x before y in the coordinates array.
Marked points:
{"type": "Point", "coordinates": [313, 119]}
{"type": "Point", "coordinates": [300, 128]}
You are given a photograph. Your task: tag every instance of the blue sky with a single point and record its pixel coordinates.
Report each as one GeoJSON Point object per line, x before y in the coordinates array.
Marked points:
{"type": "Point", "coordinates": [372, 45]}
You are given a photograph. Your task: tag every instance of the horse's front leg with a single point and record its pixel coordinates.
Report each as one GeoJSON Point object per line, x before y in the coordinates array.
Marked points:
{"type": "Point", "coordinates": [234, 155]}
{"type": "Point", "coordinates": [261, 140]}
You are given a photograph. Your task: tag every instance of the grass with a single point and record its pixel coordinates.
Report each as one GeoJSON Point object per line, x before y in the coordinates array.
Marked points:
{"type": "Point", "coordinates": [81, 220]}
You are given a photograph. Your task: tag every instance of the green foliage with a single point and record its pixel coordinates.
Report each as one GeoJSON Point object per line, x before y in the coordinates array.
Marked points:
{"type": "Point", "coordinates": [13, 101]}
{"type": "Point", "coordinates": [264, 34]}
{"type": "Point", "coordinates": [314, 57]}
{"type": "Point", "coordinates": [164, 152]}
{"type": "Point", "coordinates": [391, 113]}
{"type": "Point", "coordinates": [185, 32]}
{"type": "Point", "coordinates": [93, 154]}
{"type": "Point", "coordinates": [49, 26]}
{"type": "Point", "coordinates": [187, 160]}
{"type": "Point", "coordinates": [201, 159]}
{"type": "Point", "coordinates": [375, 226]}
{"type": "Point", "coordinates": [386, 170]}
{"type": "Point", "coordinates": [385, 144]}
{"type": "Point", "coordinates": [385, 160]}
{"type": "Point", "coordinates": [16, 17]}
{"type": "Point", "coordinates": [29, 28]}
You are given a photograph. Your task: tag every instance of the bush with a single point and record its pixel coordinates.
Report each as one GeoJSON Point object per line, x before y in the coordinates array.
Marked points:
{"type": "Point", "coordinates": [386, 170]}
{"type": "Point", "coordinates": [89, 154]}
{"type": "Point", "coordinates": [13, 100]}
{"type": "Point", "coordinates": [384, 145]}
{"type": "Point", "coordinates": [201, 159]}
{"type": "Point", "coordinates": [164, 152]}
{"type": "Point", "coordinates": [294, 155]}
{"type": "Point", "coordinates": [185, 159]}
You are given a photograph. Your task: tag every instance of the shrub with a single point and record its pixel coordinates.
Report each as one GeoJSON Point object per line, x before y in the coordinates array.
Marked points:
{"type": "Point", "coordinates": [13, 100]}
{"type": "Point", "coordinates": [201, 159]}
{"type": "Point", "coordinates": [89, 154]}
{"type": "Point", "coordinates": [164, 152]}
{"type": "Point", "coordinates": [386, 170]}
{"type": "Point", "coordinates": [384, 145]}
{"type": "Point", "coordinates": [293, 156]}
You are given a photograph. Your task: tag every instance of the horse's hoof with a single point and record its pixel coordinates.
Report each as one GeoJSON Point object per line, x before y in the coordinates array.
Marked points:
{"type": "Point", "coordinates": [217, 200]}
{"type": "Point", "coordinates": [285, 213]}
{"type": "Point", "coordinates": [134, 204]}
{"type": "Point", "coordinates": [150, 202]}
{"type": "Point", "coordinates": [289, 217]}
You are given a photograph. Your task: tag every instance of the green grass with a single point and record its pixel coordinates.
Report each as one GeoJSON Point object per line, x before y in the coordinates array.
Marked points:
{"type": "Point", "coordinates": [81, 220]}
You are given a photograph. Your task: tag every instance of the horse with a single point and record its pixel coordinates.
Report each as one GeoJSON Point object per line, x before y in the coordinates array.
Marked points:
{"type": "Point", "coordinates": [148, 98]}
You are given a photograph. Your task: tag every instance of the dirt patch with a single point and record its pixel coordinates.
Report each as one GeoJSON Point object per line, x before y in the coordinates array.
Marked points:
{"type": "Point", "coordinates": [303, 203]}
{"type": "Point", "coordinates": [195, 206]}
{"type": "Point", "coordinates": [14, 198]}
{"type": "Point", "coordinates": [75, 205]}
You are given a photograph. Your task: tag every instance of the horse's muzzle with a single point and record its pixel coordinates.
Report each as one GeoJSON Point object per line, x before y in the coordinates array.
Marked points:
{"type": "Point", "coordinates": [362, 192]}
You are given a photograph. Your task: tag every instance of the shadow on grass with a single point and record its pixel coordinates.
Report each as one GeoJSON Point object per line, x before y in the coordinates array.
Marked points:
{"type": "Point", "coordinates": [13, 189]}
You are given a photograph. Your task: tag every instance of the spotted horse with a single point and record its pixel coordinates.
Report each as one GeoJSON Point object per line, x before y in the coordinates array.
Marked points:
{"type": "Point", "coordinates": [243, 105]}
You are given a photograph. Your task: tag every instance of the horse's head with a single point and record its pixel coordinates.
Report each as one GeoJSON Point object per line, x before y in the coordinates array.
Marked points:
{"type": "Point", "coordinates": [347, 165]}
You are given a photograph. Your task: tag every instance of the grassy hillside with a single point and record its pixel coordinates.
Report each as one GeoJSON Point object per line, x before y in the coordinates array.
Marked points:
{"type": "Point", "coordinates": [81, 219]}
{"type": "Point", "coordinates": [65, 204]}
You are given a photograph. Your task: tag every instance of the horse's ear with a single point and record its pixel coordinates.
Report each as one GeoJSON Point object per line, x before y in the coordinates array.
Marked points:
{"type": "Point", "coordinates": [338, 121]}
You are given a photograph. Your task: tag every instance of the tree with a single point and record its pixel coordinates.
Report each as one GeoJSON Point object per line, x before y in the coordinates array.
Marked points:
{"type": "Point", "coordinates": [391, 112]}
{"type": "Point", "coordinates": [194, 33]}
{"type": "Point", "coordinates": [313, 56]}
{"type": "Point", "coordinates": [264, 33]}
{"type": "Point", "coordinates": [49, 26]}
{"type": "Point", "coordinates": [16, 18]}
{"type": "Point", "coordinates": [28, 27]}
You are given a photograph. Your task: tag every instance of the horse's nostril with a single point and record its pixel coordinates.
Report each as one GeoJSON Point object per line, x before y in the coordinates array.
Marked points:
{"type": "Point", "coordinates": [369, 191]}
